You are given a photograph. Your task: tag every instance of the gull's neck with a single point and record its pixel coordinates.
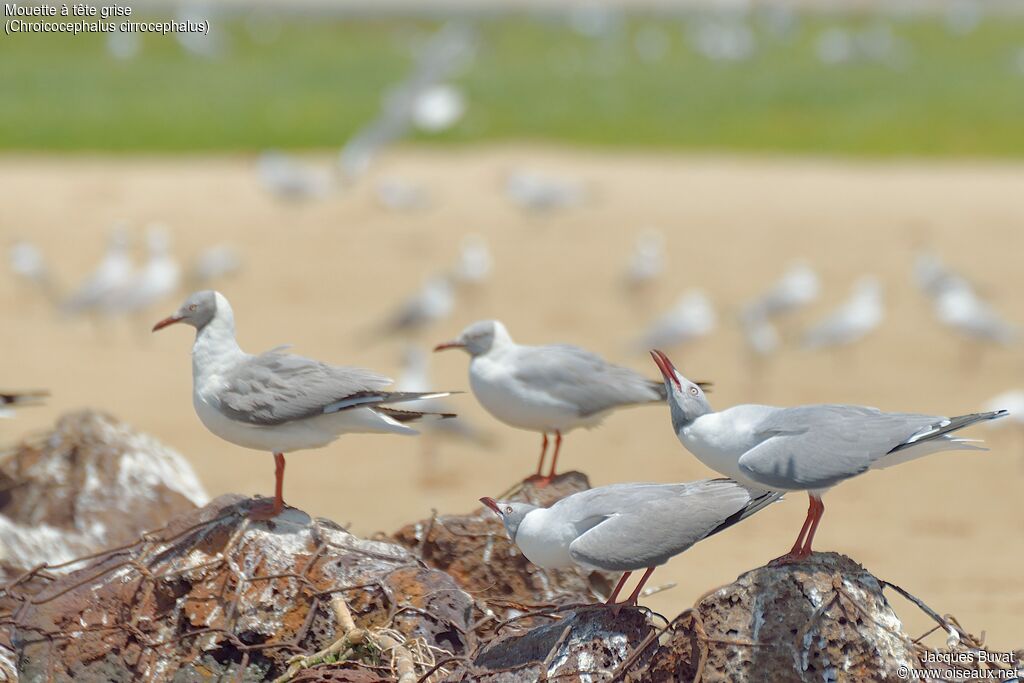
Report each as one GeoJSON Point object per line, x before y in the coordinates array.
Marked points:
{"type": "Point", "coordinates": [215, 347]}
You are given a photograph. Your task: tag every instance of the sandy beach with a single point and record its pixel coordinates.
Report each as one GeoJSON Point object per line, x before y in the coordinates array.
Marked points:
{"type": "Point", "coordinates": [321, 275]}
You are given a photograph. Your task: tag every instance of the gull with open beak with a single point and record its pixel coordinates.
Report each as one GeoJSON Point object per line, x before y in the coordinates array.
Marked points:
{"type": "Point", "coordinates": [280, 402]}
{"type": "Point", "coordinates": [627, 527]}
{"type": "Point", "coordinates": [548, 389]}
{"type": "Point", "coordinates": [807, 448]}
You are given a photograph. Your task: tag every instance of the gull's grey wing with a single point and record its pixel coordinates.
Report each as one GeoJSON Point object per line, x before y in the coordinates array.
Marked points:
{"type": "Point", "coordinates": [634, 526]}
{"type": "Point", "coordinates": [813, 447]}
{"type": "Point", "coordinates": [273, 388]}
{"type": "Point", "coordinates": [584, 380]}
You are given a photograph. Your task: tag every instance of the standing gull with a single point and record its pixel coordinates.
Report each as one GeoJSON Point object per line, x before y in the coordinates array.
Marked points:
{"type": "Point", "coordinates": [280, 402]}
{"type": "Point", "coordinates": [548, 389]}
{"type": "Point", "coordinates": [807, 448]}
{"type": "Point", "coordinates": [852, 321]}
{"type": "Point", "coordinates": [692, 317]}
{"type": "Point", "coordinates": [627, 527]}
{"type": "Point", "coordinates": [112, 274]}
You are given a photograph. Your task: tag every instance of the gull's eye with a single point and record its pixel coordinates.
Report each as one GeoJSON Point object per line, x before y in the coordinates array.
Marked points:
{"type": "Point", "coordinates": [192, 307]}
{"type": "Point", "coordinates": [508, 510]}
{"type": "Point", "coordinates": [694, 391]}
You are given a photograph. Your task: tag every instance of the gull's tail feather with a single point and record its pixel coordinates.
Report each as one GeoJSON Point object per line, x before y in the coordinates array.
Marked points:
{"type": "Point", "coordinates": [404, 416]}
{"type": "Point", "coordinates": [941, 429]}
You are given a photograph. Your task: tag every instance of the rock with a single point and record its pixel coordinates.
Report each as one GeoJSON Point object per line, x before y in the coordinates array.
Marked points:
{"type": "Point", "coordinates": [475, 550]}
{"type": "Point", "coordinates": [91, 483]}
{"type": "Point", "coordinates": [216, 595]}
{"type": "Point", "coordinates": [824, 619]}
{"type": "Point", "coordinates": [589, 644]}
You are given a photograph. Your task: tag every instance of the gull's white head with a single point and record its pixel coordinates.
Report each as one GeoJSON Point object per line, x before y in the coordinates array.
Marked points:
{"type": "Point", "coordinates": [198, 310]}
{"type": "Point", "coordinates": [478, 338]}
{"type": "Point", "coordinates": [686, 399]}
{"type": "Point", "coordinates": [511, 514]}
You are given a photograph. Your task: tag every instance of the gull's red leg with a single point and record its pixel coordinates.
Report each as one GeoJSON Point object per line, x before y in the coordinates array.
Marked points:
{"type": "Point", "coordinates": [618, 587]}
{"type": "Point", "coordinates": [819, 511]}
{"type": "Point", "coordinates": [265, 511]}
{"type": "Point", "coordinates": [540, 463]}
{"type": "Point", "coordinates": [635, 595]}
{"type": "Point", "coordinates": [796, 552]}
{"type": "Point", "coordinates": [554, 458]}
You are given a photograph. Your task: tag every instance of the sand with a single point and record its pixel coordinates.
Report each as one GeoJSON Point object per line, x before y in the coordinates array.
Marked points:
{"type": "Point", "coordinates": [948, 528]}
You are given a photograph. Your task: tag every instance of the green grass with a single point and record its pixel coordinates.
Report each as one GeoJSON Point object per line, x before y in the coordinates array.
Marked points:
{"type": "Point", "coordinates": [319, 81]}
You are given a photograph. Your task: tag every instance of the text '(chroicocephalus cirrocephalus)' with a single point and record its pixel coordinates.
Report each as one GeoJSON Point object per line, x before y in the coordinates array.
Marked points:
{"type": "Point", "coordinates": [806, 448]}
{"type": "Point", "coordinates": [627, 527]}
{"type": "Point", "coordinates": [549, 389]}
{"type": "Point", "coordinates": [280, 402]}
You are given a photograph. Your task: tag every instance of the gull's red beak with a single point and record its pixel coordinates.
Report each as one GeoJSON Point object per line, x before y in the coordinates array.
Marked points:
{"type": "Point", "coordinates": [491, 503]}
{"type": "Point", "coordinates": [169, 320]}
{"type": "Point", "coordinates": [668, 371]}
{"type": "Point", "coordinates": [450, 345]}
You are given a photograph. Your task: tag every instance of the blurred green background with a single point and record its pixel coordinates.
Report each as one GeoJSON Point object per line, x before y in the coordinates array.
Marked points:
{"type": "Point", "coordinates": [849, 85]}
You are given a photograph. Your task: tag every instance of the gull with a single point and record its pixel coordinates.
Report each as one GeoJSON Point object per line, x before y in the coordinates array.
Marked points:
{"type": "Point", "coordinates": [27, 263]}
{"type": "Point", "coordinates": [280, 402]}
{"type": "Point", "coordinates": [17, 399]}
{"type": "Point", "coordinates": [289, 179]}
{"type": "Point", "coordinates": [433, 302]}
{"type": "Point", "coordinates": [798, 287]}
{"type": "Point", "coordinates": [759, 335]}
{"type": "Point", "coordinates": [960, 308]}
{"type": "Point", "coordinates": [214, 263]}
{"type": "Point", "coordinates": [397, 194]}
{"type": "Point", "coordinates": [647, 262]}
{"type": "Point", "coordinates": [627, 527]}
{"type": "Point", "coordinates": [534, 191]}
{"type": "Point", "coordinates": [157, 280]}
{"type": "Point", "coordinates": [110, 277]}
{"type": "Point", "coordinates": [861, 313]}
{"type": "Point", "coordinates": [415, 378]}
{"type": "Point", "coordinates": [806, 448]}
{"type": "Point", "coordinates": [438, 108]}
{"type": "Point", "coordinates": [549, 389]}
{"type": "Point", "coordinates": [692, 317]}
{"type": "Point", "coordinates": [475, 264]}
{"type": "Point", "coordinates": [933, 277]}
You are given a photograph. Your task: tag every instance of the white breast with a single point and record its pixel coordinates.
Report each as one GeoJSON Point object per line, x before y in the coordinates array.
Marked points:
{"type": "Point", "coordinates": [545, 542]}
{"type": "Point", "coordinates": [516, 404]}
{"type": "Point", "coordinates": [720, 439]}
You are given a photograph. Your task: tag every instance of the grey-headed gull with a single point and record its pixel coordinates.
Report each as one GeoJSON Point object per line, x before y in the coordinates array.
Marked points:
{"type": "Point", "coordinates": [276, 401]}
{"type": "Point", "coordinates": [415, 377]}
{"type": "Point", "coordinates": [111, 276]}
{"type": "Point", "coordinates": [535, 191]}
{"type": "Point", "coordinates": [549, 389]}
{"type": "Point", "coordinates": [795, 289]}
{"type": "Point", "coordinates": [647, 262]}
{"type": "Point", "coordinates": [861, 313]}
{"type": "Point", "coordinates": [433, 302]}
{"type": "Point", "coordinates": [157, 280]}
{"type": "Point", "coordinates": [27, 263]}
{"type": "Point", "coordinates": [627, 527]}
{"type": "Point", "coordinates": [960, 308]}
{"type": "Point", "coordinates": [806, 448]}
{"type": "Point", "coordinates": [475, 264]}
{"type": "Point", "coordinates": [213, 263]}
{"type": "Point", "coordinates": [692, 317]}
{"type": "Point", "coordinates": [11, 400]}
